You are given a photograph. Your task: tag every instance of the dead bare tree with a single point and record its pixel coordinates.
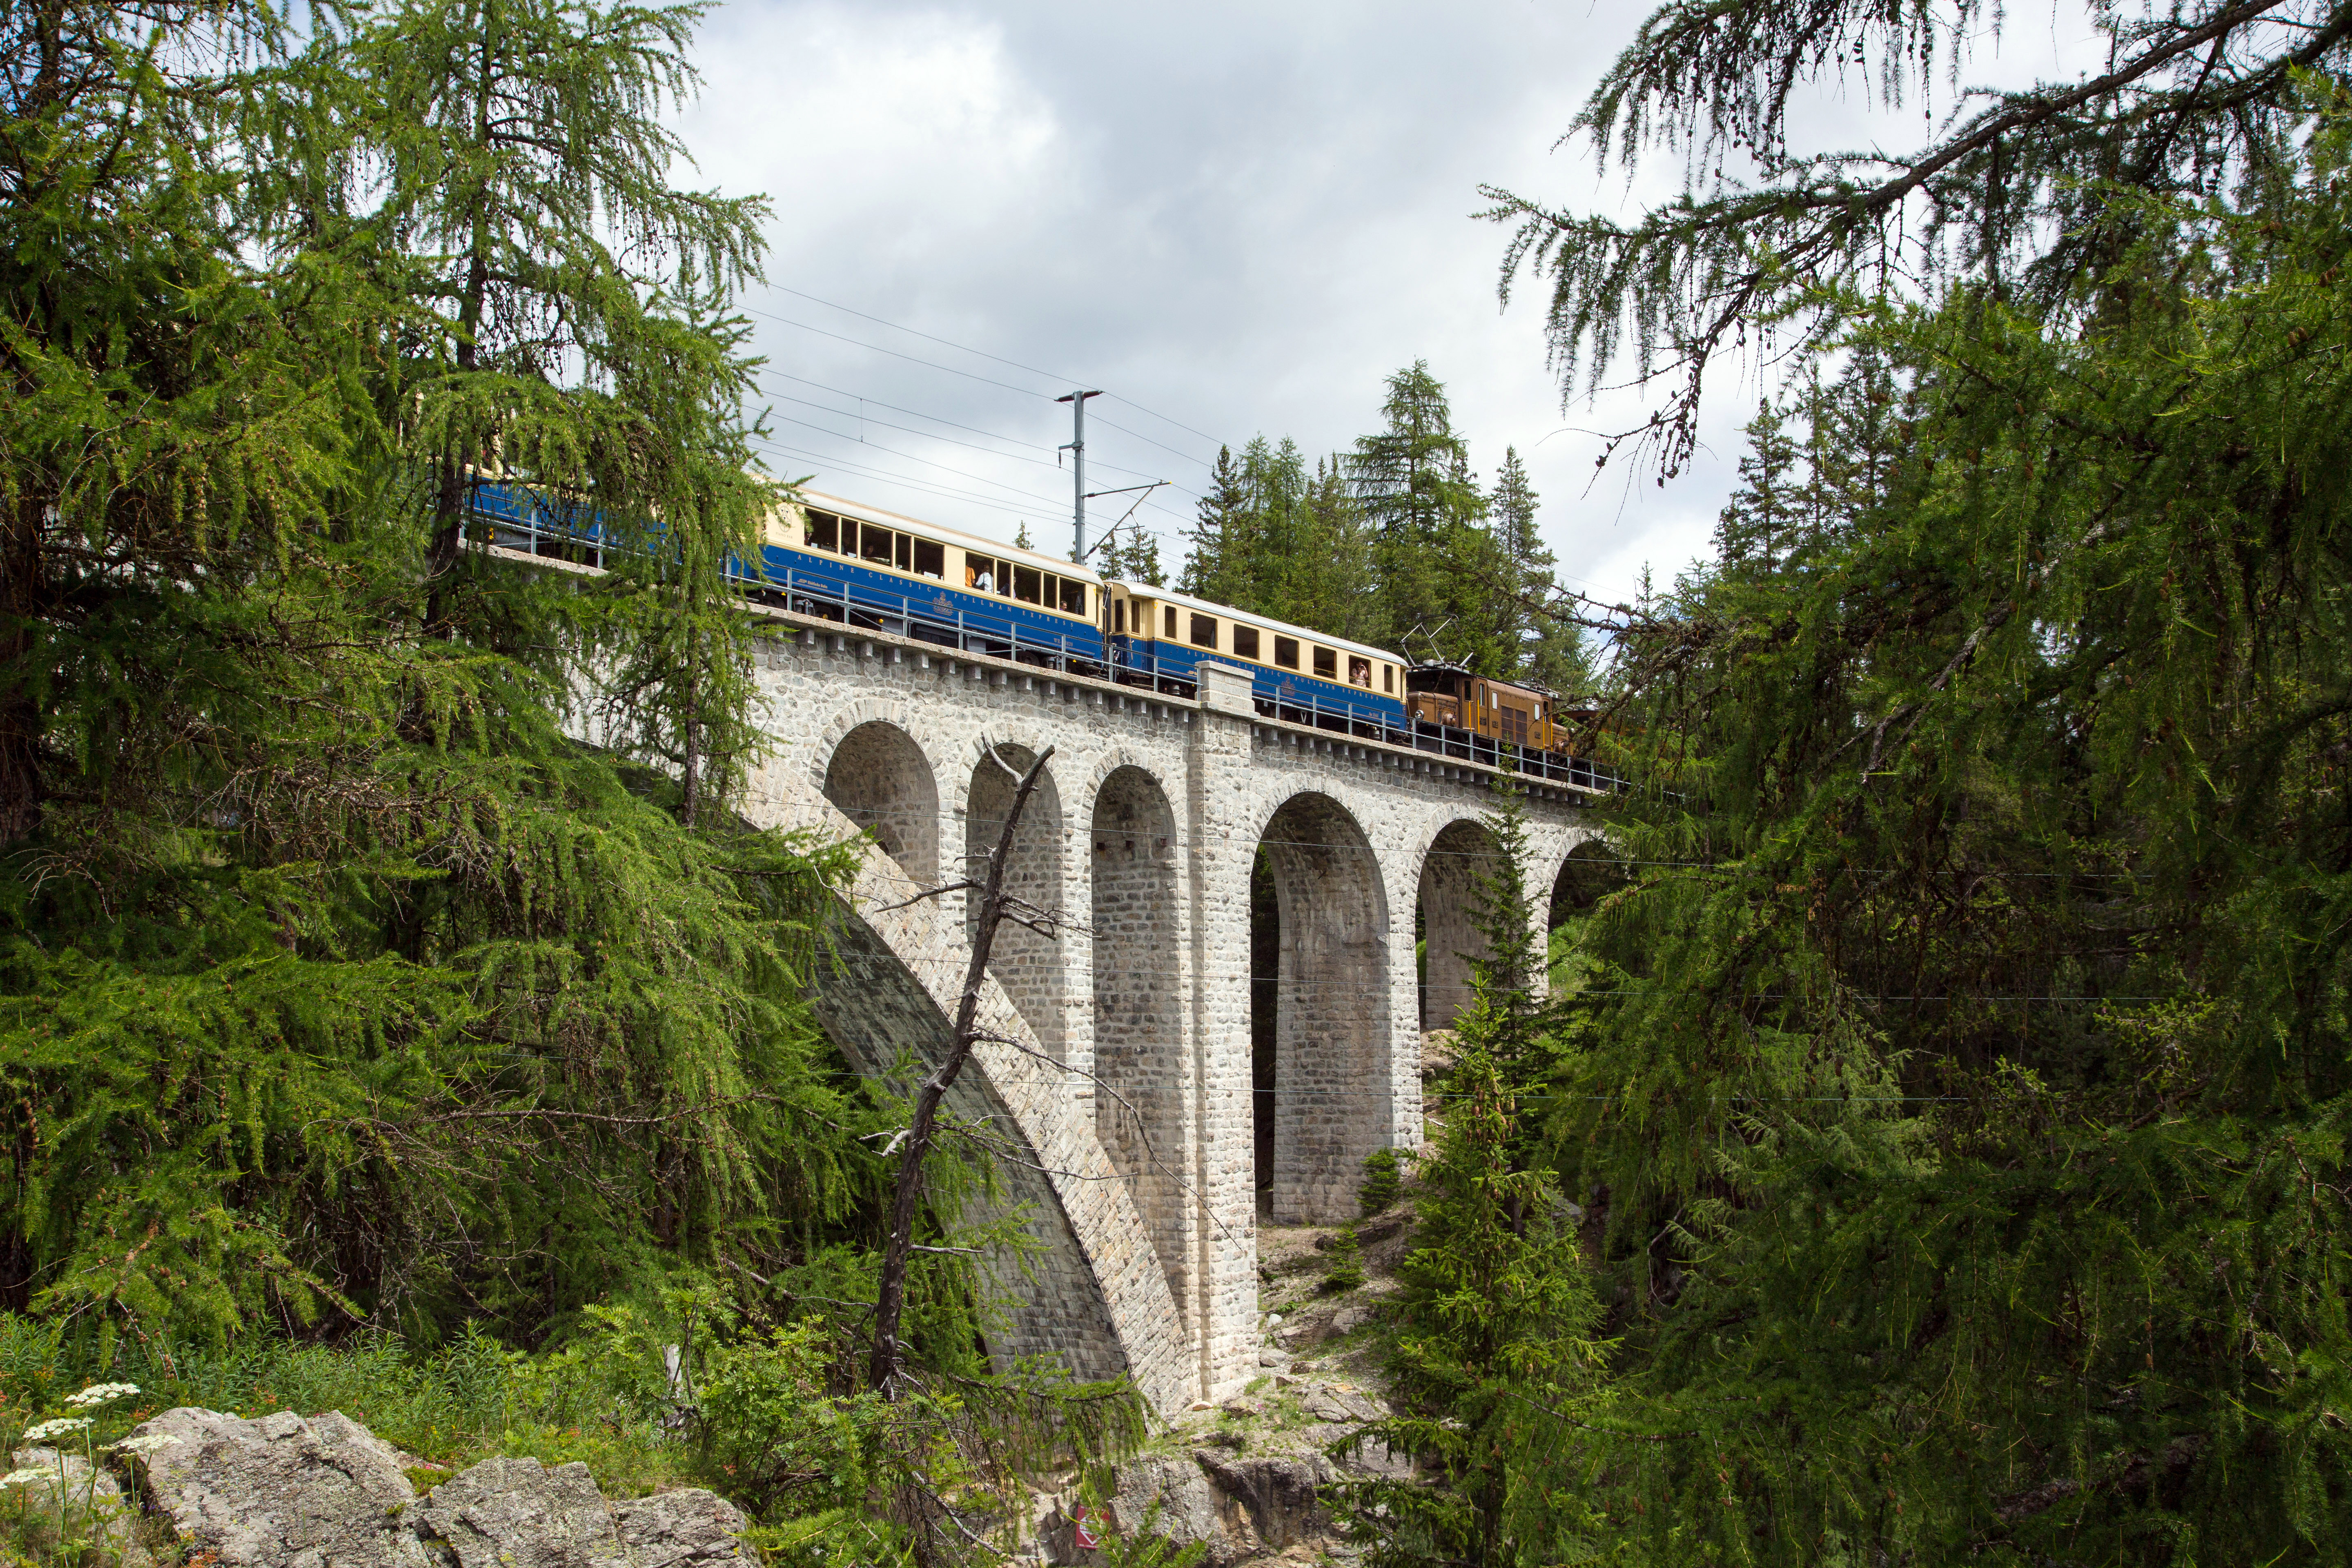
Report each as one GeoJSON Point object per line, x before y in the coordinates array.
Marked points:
{"type": "Point", "coordinates": [996, 904]}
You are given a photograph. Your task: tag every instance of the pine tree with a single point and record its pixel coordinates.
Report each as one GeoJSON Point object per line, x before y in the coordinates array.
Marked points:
{"type": "Point", "coordinates": [1975, 991]}
{"type": "Point", "coordinates": [578, 336]}
{"type": "Point", "coordinates": [1021, 536]}
{"type": "Point", "coordinates": [1137, 561]}
{"type": "Point", "coordinates": [1491, 1352]}
{"type": "Point", "coordinates": [329, 963]}
{"type": "Point", "coordinates": [1216, 560]}
{"type": "Point", "coordinates": [1759, 524]}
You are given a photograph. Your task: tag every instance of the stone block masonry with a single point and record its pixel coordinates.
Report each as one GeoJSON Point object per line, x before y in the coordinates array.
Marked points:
{"type": "Point", "coordinates": [1127, 1087]}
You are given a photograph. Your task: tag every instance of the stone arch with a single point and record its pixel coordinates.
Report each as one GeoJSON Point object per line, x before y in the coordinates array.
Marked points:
{"type": "Point", "coordinates": [1142, 1076]}
{"type": "Point", "coordinates": [1331, 1038]}
{"type": "Point", "coordinates": [1090, 1294]}
{"type": "Point", "coordinates": [1448, 908]}
{"type": "Point", "coordinates": [879, 778]}
{"type": "Point", "coordinates": [1589, 872]}
{"type": "Point", "coordinates": [1029, 965]}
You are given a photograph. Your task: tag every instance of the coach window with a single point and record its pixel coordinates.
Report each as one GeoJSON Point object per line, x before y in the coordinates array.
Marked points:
{"type": "Point", "coordinates": [1026, 586]}
{"type": "Point", "coordinates": [873, 545]}
{"type": "Point", "coordinates": [1074, 598]}
{"type": "Point", "coordinates": [1387, 679]}
{"type": "Point", "coordinates": [1205, 631]}
{"type": "Point", "coordinates": [1168, 625]}
{"type": "Point", "coordinates": [1285, 652]}
{"type": "Point", "coordinates": [930, 560]}
{"type": "Point", "coordinates": [1245, 641]}
{"type": "Point", "coordinates": [905, 552]}
{"type": "Point", "coordinates": [823, 531]}
{"type": "Point", "coordinates": [1327, 664]}
{"type": "Point", "coordinates": [979, 574]}
{"type": "Point", "coordinates": [1118, 618]}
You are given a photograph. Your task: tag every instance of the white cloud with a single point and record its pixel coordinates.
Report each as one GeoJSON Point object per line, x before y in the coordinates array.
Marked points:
{"type": "Point", "coordinates": [1241, 215]}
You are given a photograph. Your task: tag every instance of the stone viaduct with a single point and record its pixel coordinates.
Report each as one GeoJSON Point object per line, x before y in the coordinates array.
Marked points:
{"type": "Point", "coordinates": [1139, 1128]}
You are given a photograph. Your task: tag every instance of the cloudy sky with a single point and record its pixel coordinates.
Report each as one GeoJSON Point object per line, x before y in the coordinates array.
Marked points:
{"type": "Point", "coordinates": [1236, 219]}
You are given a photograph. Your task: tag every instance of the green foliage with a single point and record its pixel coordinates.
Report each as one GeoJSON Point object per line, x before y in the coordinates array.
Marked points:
{"type": "Point", "coordinates": [1389, 545]}
{"type": "Point", "coordinates": [1966, 1096]}
{"type": "Point", "coordinates": [1491, 1347]}
{"type": "Point", "coordinates": [1383, 1181]}
{"type": "Point", "coordinates": [339, 987]}
{"type": "Point", "coordinates": [1345, 1270]}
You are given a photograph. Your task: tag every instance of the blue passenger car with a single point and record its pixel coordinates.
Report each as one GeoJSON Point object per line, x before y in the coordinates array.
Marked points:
{"type": "Point", "coordinates": [878, 571]}
{"type": "Point", "coordinates": [1156, 637]}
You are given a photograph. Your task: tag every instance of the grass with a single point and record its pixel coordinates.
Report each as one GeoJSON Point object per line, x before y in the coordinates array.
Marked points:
{"type": "Point", "coordinates": [467, 1401]}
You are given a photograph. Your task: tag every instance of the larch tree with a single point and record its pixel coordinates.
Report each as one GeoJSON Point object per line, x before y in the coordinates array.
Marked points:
{"type": "Point", "coordinates": [1963, 1112]}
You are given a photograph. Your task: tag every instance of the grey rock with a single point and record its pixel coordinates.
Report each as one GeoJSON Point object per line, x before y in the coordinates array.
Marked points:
{"type": "Point", "coordinates": [674, 1529]}
{"type": "Point", "coordinates": [279, 1491]}
{"type": "Point", "coordinates": [1168, 1497]}
{"type": "Point", "coordinates": [1329, 1405]}
{"type": "Point", "coordinates": [1280, 1495]}
{"type": "Point", "coordinates": [516, 1513]}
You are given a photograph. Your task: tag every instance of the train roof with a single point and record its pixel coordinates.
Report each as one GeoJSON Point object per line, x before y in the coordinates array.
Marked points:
{"type": "Point", "coordinates": [1145, 590]}
{"type": "Point", "coordinates": [956, 536]}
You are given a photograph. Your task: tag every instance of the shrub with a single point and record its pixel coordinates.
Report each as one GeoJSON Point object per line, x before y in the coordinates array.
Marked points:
{"type": "Point", "coordinates": [1383, 1180]}
{"type": "Point", "coordinates": [1346, 1270]}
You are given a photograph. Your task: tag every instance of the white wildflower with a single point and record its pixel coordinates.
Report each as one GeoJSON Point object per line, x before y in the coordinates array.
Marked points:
{"type": "Point", "coordinates": [27, 1478]}
{"type": "Point", "coordinates": [142, 1447]}
{"type": "Point", "coordinates": [57, 1428]}
{"type": "Point", "coordinates": [98, 1393]}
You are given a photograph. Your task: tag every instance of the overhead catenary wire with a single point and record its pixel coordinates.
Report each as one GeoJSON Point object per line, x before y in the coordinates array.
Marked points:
{"type": "Point", "coordinates": [1000, 359]}
{"type": "Point", "coordinates": [865, 402]}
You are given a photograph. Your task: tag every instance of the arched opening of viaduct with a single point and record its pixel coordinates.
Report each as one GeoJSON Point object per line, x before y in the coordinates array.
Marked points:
{"type": "Point", "coordinates": [1461, 854]}
{"type": "Point", "coordinates": [1588, 873]}
{"type": "Point", "coordinates": [1142, 1084]}
{"type": "Point", "coordinates": [880, 780]}
{"type": "Point", "coordinates": [1321, 1065]}
{"type": "Point", "coordinates": [1026, 962]}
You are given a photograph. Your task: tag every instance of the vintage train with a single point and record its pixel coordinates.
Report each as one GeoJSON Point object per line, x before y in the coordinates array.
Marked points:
{"type": "Point", "coordinates": [868, 569]}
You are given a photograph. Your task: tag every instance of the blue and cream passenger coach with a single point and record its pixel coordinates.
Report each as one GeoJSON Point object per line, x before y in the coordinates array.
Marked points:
{"type": "Point", "coordinates": [1158, 636]}
{"type": "Point", "coordinates": [881, 571]}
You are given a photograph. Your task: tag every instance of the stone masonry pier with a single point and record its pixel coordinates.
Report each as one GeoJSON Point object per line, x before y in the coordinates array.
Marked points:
{"type": "Point", "coordinates": [1128, 1090]}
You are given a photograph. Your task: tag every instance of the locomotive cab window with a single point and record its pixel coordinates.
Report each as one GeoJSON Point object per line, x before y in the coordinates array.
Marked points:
{"type": "Point", "coordinates": [1387, 679]}
{"type": "Point", "coordinates": [1205, 631]}
{"type": "Point", "coordinates": [930, 560]}
{"type": "Point", "coordinates": [1285, 652]}
{"type": "Point", "coordinates": [1327, 664]}
{"type": "Point", "coordinates": [1245, 641]}
{"type": "Point", "coordinates": [823, 531]}
{"type": "Point", "coordinates": [1074, 596]}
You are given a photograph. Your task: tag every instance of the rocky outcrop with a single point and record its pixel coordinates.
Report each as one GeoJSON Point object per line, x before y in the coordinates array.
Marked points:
{"type": "Point", "coordinates": [518, 1513]}
{"type": "Point", "coordinates": [286, 1492]}
{"type": "Point", "coordinates": [258, 1494]}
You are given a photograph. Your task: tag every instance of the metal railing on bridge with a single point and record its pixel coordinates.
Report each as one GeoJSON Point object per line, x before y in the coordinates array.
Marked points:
{"type": "Point", "coordinates": [525, 521]}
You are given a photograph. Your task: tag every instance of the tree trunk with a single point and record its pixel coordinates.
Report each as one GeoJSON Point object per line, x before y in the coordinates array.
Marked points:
{"type": "Point", "coordinates": [891, 1298]}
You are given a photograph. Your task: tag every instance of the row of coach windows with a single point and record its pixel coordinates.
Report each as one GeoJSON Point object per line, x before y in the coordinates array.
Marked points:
{"type": "Point", "coordinates": [872, 543]}
{"type": "Point", "coordinates": [1202, 630]}
{"type": "Point", "coordinates": [1029, 585]}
